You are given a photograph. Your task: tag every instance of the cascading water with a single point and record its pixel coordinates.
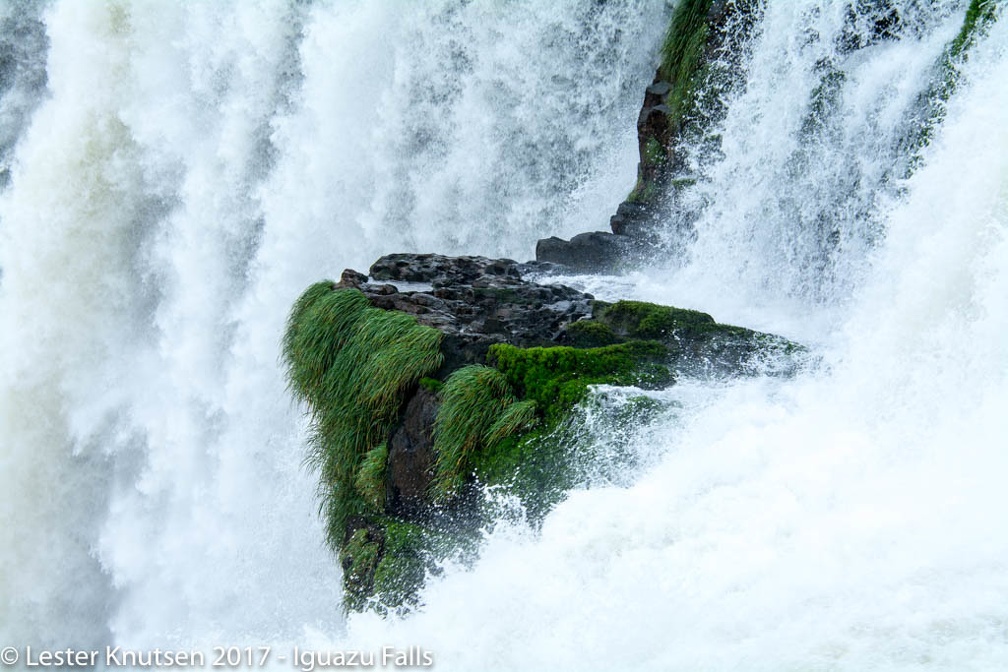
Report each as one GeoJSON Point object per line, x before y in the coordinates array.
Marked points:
{"type": "Point", "coordinates": [189, 169]}
{"type": "Point", "coordinates": [192, 168]}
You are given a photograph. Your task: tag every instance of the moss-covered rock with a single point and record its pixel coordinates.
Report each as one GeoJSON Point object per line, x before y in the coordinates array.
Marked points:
{"type": "Point", "coordinates": [557, 378]}
{"type": "Point", "coordinates": [700, 66]}
{"type": "Point", "coordinates": [352, 364]}
{"type": "Point", "coordinates": [404, 441]}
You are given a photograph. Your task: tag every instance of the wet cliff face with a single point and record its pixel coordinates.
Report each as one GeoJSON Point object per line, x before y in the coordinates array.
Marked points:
{"type": "Point", "coordinates": [701, 67]}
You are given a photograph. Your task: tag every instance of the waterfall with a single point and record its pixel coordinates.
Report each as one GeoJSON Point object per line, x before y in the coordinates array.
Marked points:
{"type": "Point", "coordinates": [187, 171]}
{"type": "Point", "coordinates": [178, 173]}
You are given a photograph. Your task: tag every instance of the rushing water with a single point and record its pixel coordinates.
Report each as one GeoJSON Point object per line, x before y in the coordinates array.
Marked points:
{"type": "Point", "coordinates": [179, 172]}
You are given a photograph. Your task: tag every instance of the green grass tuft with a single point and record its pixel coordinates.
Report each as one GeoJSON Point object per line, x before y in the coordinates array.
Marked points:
{"type": "Point", "coordinates": [319, 325]}
{"type": "Point", "coordinates": [516, 418]}
{"type": "Point", "coordinates": [682, 57]}
{"type": "Point", "coordinates": [478, 410]}
{"type": "Point", "coordinates": [370, 480]}
{"type": "Point", "coordinates": [352, 364]}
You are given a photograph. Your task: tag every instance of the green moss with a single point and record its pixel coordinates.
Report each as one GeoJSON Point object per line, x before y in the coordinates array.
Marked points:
{"type": "Point", "coordinates": [654, 152]}
{"type": "Point", "coordinates": [359, 559]}
{"type": "Point", "coordinates": [682, 57]}
{"type": "Point", "coordinates": [403, 567]}
{"type": "Point", "coordinates": [640, 409]}
{"type": "Point", "coordinates": [352, 364]}
{"type": "Point", "coordinates": [591, 334]}
{"type": "Point", "coordinates": [478, 410]}
{"type": "Point", "coordinates": [644, 191]}
{"type": "Point", "coordinates": [979, 16]}
{"type": "Point", "coordinates": [638, 319]}
{"type": "Point", "coordinates": [431, 384]}
{"type": "Point", "coordinates": [535, 467]}
{"type": "Point", "coordinates": [681, 182]}
{"type": "Point", "coordinates": [556, 378]}
{"type": "Point", "coordinates": [483, 430]}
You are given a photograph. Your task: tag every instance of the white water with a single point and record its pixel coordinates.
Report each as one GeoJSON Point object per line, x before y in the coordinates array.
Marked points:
{"type": "Point", "coordinates": [195, 167]}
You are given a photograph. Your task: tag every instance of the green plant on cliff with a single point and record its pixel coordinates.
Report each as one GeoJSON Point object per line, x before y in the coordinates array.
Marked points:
{"type": "Point", "coordinates": [320, 323]}
{"type": "Point", "coordinates": [370, 479]}
{"type": "Point", "coordinates": [932, 103]}
{"type": "Point", "coordinates": [478, 411]}
{"type": "Point", "coordinates": [684, 68]}
{"type": "Point", "coordinates": [352, 363]}
{"type": "Point", "coordinates": [682, 57]}
{"type": "Point", "coordinates": [359, 558]}
{"type": "Point", "coordinates": [405, 561]}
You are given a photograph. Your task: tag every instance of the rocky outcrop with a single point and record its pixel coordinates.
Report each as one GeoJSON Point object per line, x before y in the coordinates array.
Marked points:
{"type": "Point", "coordinates": [700, 65]}
{"type": "Point", "coordinates": [432, 374]}
{"type": "Point", "coordinates": [474, 302]}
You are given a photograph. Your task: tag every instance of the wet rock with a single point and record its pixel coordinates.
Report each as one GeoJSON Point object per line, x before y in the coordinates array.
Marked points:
{"type": "Point", "coordinates": [593, 252]}
{"type": "Point", "coordinates": [475, 302]}
{"type": "Point", "coordinates": [411, 454]}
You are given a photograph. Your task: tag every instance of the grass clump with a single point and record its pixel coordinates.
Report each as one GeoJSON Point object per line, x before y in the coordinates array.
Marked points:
{"type": "Point", "coordinates": [352, 363]}
{"type": "Point", "coordinates": [682, 57]}
{"type": "Point", "coordinates": [320, 323]}
{"type": "Point", "coordinates": [370, 479]}
{"type": "Point", "coordinates": [478, 411]}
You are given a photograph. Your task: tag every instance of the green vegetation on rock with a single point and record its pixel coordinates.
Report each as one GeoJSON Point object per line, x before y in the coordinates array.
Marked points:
{"type": "Point", "coordinates": [404, 563]}
{"type": "Point", "coordinates": [557, 378]}
{"type": "Point", "coordinates": [359, 559]}
{"type": "Point", "coordinates": [932, 103]}
{"type": "Point", "coordinates": [591, 334]}
{"type": "Point", "coordinates": [352, 364]}
{"type": "Point", "coordinates": [370, 479]}
{"type": "Point", "coordinates": [478, 410]}
{"type": "Point", "coordinates": [638, 319]}
{"type": "Point", "coordinates": [501, 424]}
{"type": "Point", "coordinates": [682, 57]}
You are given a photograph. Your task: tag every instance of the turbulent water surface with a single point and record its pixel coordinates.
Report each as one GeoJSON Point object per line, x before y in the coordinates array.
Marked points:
{"type": "Point", "coordinates": [172, 175]}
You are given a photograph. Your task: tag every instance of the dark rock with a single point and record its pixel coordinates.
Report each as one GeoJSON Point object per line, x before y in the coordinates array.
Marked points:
{"type": "Point", "coordinates": [659, 89]}
{"type": "Point", "coordinates": [633, 219]}
{"type": "Point", "coordinates": [411, 454]}
{"type": "Point", "coordinates": [595, 251]}
{"type": "Point", "coordinates": [476, 302]}
{"type": "Point", "coordinates": [439, 270]}
{"type": "Point", "coordinates": [351, 278]}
